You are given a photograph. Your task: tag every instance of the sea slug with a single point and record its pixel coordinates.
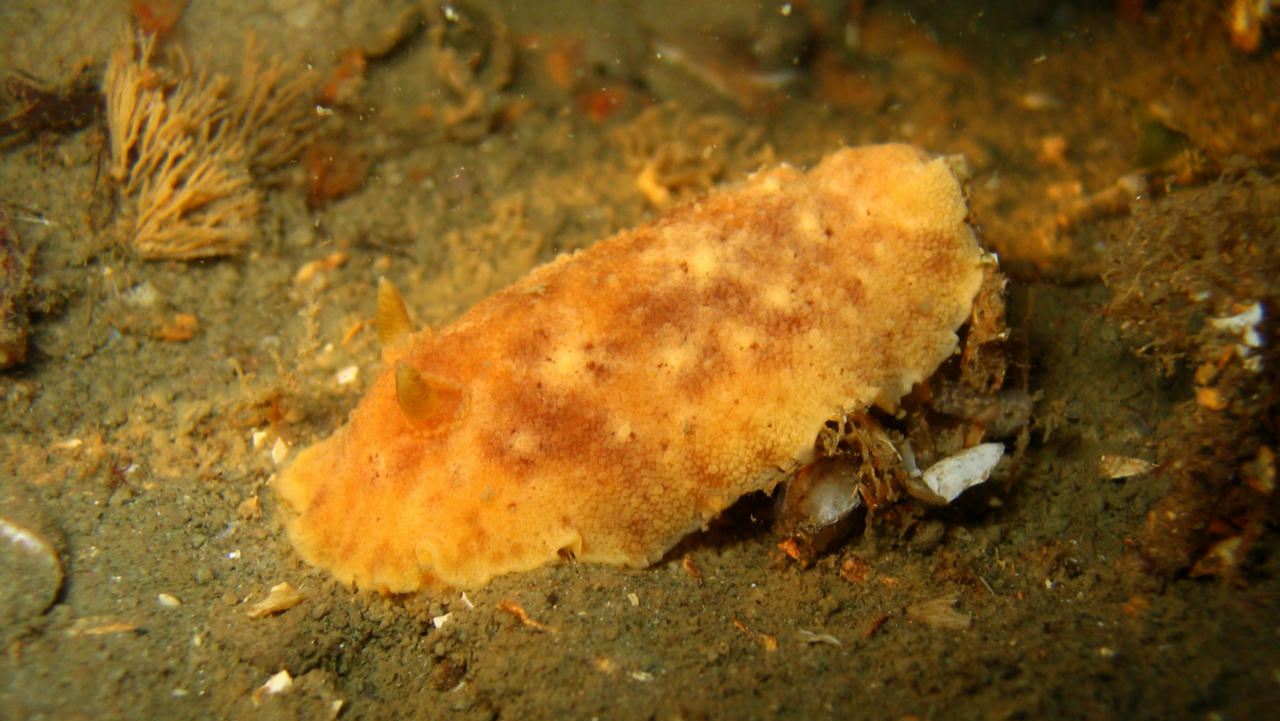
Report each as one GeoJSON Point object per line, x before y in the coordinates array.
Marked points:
{"type": "Point", "coordinates": [616, 399]}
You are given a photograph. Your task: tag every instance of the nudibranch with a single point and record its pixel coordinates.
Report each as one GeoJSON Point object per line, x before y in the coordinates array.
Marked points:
{"type": "Point", "coordinates": [618, 398]}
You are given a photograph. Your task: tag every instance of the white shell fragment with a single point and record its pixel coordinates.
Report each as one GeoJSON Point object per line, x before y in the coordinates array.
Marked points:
{"type": "Point", "coordinates": [955, 474]}
{"type": "Point", "coordinates": [1122, 466]}
{"type": "Point", "coordinates": [277, 684]}
{"type": "Point", "coordinates": [347, 375]}
{"type": "Point", "coordinates": [282, 597]}
{"type": "Point", "coordinates": [811, 638]}
{"type": "Point", "coordinates": [1245, 323]}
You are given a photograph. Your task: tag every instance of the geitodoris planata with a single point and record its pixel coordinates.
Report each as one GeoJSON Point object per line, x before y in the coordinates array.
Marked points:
{"type": "Point", "coordinates": [617, 398]}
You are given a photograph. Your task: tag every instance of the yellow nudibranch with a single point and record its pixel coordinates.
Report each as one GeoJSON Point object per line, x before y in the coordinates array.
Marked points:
{"type": "Point", "coordinates": [618, 398]}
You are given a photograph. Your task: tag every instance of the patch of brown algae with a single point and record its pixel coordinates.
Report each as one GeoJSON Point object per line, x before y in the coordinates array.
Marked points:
{"type": "Point", "coordinates": [618, 398]}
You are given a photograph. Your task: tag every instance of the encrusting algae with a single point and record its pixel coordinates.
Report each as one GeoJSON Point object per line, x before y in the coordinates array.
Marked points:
{"type": "Point", "coordinates": [617, 399]}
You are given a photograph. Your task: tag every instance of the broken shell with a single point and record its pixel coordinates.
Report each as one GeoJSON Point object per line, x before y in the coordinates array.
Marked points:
{"type": "Point", "coordinates": [277, 684]}
{"type": "Point", "coordinates": [1122, 466]}
{"type": "Point", "coordinates": [940, 613]}
{"type": "Point", "coordinates": [811, 638]}
{"type": "Point", "coordinates": [30, 573]}
{"type": "Point", "coordinates": [347, 375]}
{"type": "Point", "coordinates": [259, 439]}
{"type": "Point", "coordinates": [1221, 559]}
{"type": "Point", "coordinates": [1247, 323]}
{"type": "Point", "coordinates": [282, 597]}
{"type": "Point", "coordinates": [250, 509]}
{"type": "Point", "coordinates": [955, 474]}
{"type": "Point", "coordinates": [279, 451]}
{"type": "Point", "coordinates": [821, 494]}
{"type": "Point", "coordinates": [310, 270]}
{"type": "Point", "coordinates": [815, 508]}
{"type": "Point", "coordinates": [98, 626]}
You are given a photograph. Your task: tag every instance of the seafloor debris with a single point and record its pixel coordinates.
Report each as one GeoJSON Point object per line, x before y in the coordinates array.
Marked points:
{"type": "Point", "coordinates": [523, 616]}
{"type": "Point", "coordinates": [99, 626]}
{"type": "Point", "coordinates": [873, 459]}
{"type": "Point", "coordinates": [767, 641]}
{"type": "Point", "coordinates": [1246, 20]}
{"type": "Point", "coordinates": [676, 155]}
{"type": "Point", "coordinates": [866, 461]}
{"type": "Point", "coordinates": [185, 148]}
{"type": "Point", "coordinates": [821, 495]}
{"type": "Point", "coordinates": [1192, 81]}
{"type": "Point", "coordinates": [280, 683]}
{"type": "Point", "coordinates": [748, 61]}
{"type": "Point", "coordinates": [473, 59]}
{"type": "Point", "coordinates": [310, 695]}
{"type": "Point", "coordinates": [811, 638]}
{"type": "Point", "coordinates": [15, 281]}
{"type": "Point", "coordinates": [940, 613]}
{"type": "Point", "coordinates": [334, 169]}
{"type": "Point", "coordinates": [281, 597]}
{"type": "Point", "coordinates": [29, 108]}
{"type": "Point", "coordinates": [1112, 466]}
{"type": "Point", "coordinates": [1194, 278]}
{"type": "Point", "coordinates": [955, 474]}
